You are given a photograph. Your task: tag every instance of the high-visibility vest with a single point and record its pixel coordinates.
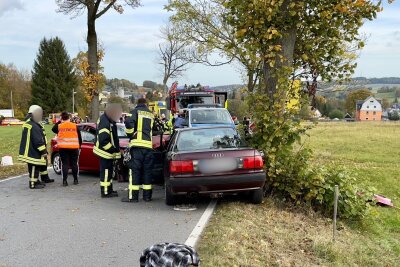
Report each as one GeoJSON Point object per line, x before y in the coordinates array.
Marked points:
{"type": "Point", "coordinates": [143, 135]}
{"type": "Point", "coordinates": [68, 135]}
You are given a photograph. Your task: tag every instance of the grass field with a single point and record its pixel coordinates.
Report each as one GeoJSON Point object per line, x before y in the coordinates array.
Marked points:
{"type": "Point", "coordinates": [277, 234]}
{"type": "Point", "coordinates": [10, 138]}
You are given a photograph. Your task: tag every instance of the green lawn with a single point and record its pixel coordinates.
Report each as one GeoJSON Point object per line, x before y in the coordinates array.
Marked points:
{"type": "Point", "coordinates": [278, 234]}
{"type": "Point", "coordinates": [10, 137]}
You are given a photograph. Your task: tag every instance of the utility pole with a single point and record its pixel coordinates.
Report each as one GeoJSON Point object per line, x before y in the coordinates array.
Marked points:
{"type": "Point", "coordinates": [73, 101]}
{"type": "Point", "coordinates": [12, 104]}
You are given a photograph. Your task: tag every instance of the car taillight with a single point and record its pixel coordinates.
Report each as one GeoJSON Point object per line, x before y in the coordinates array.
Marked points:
{"type": "Point", "coordinates": [255, 162]}
{"type": "Point", "coordinates": [181, 166]}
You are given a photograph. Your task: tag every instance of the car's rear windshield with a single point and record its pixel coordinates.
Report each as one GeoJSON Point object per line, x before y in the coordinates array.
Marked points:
{"type": "Point", "coordinates": [210, 138]}
{"type": "Point", "coordinates": [210, 116]}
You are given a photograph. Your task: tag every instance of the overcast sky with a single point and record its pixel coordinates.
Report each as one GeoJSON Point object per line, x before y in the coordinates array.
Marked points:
{"type": "Point", "coordinates": [130, 41]}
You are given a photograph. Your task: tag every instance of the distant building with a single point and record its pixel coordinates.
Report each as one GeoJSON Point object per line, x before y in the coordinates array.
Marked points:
{"type": "Point", "coordinates": [369, 109]}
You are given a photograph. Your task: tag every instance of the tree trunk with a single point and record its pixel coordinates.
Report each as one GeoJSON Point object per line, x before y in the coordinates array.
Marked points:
{"type": "Point", "coordinates": [271, 74]}
{"type": "Point", "coordinates": [165, 87]}
{"type": "Point", "coordinates": [93, 61]}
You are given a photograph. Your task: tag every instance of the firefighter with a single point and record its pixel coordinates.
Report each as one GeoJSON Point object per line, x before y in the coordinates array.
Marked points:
{"type": "Point", "coordinates": [107, 148]}
{"type": "Point", "coordinates": [43, 172]}
{"type": "Point", "coordinates": [69, 141]}
{"type": "Point", "coordinates": [139, 126]}
{"type": "Point", "coordinates": [33, 147]}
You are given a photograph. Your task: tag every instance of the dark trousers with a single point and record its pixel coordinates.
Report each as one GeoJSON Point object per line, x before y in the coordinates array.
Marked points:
{"type": "Point", "coordinates": [140, 171]}
{"type": "Point", "coordinates": [33, 174]}
{"type": "Point", "coordinates": [44, 173]}
{"type": "Point", "coordinates": [69, 158]}
{"type": "Point", "coordinates": [106, 175]}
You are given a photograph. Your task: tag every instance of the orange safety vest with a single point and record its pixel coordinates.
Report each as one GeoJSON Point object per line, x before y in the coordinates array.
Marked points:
{"type": "Point", "coordinates": [68, 135]}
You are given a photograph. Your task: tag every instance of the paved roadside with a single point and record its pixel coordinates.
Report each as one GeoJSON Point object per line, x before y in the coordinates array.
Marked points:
{"type": "Point", "coordinates": [73, 226]}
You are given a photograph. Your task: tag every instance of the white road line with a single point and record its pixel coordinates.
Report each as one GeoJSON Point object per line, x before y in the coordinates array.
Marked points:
{"type": "Point", "coordinates": [19, 176]}
{"type": "Point", "coordinates": [194, 236]}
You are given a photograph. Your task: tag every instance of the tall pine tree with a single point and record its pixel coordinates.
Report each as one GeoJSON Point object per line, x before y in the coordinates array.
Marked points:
{"type": "Point", "coordinates": [53, 77]}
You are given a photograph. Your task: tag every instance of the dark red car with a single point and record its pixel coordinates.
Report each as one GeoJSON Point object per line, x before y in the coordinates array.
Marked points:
{"type": "Point", "coordinates": [212, 161]}
{"type": "Point", "coordinates": [90, 162]}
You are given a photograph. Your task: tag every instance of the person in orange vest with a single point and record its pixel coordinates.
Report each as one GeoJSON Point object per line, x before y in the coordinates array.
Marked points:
{"type": "Point", "coordinates": [69, 141]}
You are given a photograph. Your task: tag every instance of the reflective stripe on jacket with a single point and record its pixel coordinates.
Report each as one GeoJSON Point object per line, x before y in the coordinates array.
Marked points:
{"type": "Point", "coordinates": [107, 141]}
{"type": "Point", "coordinates": [33, 144]}
{"type": "Point", "coordinates": [68, 135]}
{"type": "Point", "coordinates": [139, 127]}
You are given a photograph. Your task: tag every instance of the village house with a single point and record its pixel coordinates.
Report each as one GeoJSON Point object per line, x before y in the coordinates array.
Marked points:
{"type": "Point", "coordinates": [369, 109]}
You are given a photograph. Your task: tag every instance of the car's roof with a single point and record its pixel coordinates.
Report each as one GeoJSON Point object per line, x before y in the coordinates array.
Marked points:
{"type": "Point", "coordinates": [227, 126]}
{"type": "Point", "coordinates": [94, 125]}
{"type": "Point", "coordinates": [205, 108]}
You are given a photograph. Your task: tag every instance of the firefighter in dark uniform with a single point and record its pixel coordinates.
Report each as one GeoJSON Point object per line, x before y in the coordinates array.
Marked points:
{"type": "Point", "coordinates": [139, 126]}
{"type": "Point", "coordinates": [43, 172]}
{"type": "Point", "coordinates": [33, 147]}
{"type": "Point", "coordinates": [107, 148]}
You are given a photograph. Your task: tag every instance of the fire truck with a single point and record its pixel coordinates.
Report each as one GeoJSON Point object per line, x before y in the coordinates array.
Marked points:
{"type": "Point", "coordinates": [159, 107]}
{"type": "Point", "coordinates": [180, 97]}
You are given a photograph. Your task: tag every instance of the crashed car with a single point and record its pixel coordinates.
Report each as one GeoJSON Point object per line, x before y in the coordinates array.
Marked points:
{"type": "Point", "coordinates": [212, 161]}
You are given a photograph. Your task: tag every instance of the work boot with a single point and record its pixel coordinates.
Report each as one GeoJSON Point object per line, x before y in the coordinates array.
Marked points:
{"type": "Point", "coordinates": [109, 195]}
{"type": "Point", "coordinates": [126, 199]}
{"type": "Point", "coordinates": [36, 185]}
{"type": "Point", "coordinates": [65, 183]}
{"type": "Point", "coordinates": [76, 181]}
{"type": "Point", "coordinates": [147, 194]}
{"type": "Point", "coordinates": [46, 179]}
{"type": "Point", "coordinates": [114, 193]}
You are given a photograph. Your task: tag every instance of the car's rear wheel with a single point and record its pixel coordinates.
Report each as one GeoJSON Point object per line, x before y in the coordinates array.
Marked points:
{"type": "Point", "coordinates": [57, 163]}
{"type": "Point", "coordinates": [170, 198]}
{"type": "Point", "coordinates": [257, 196]}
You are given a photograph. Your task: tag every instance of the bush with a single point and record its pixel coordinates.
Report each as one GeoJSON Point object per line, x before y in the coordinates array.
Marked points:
{"type": "Point", "coordinates": [314, 185]}
{"type": "Point", "coordinates": [1, 118]}
{"type": "Point", "coordinates": [336, 114]}
{"type": "Point", "coordinates": [394, 115]}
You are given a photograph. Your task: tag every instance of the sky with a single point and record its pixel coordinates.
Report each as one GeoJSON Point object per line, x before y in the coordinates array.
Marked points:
{"type": "Point", "coordinates": [131, 40]}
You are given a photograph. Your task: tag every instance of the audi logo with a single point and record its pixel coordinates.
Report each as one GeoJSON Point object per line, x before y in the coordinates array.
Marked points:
{"type": "Point", "coordinates": [217, 155]}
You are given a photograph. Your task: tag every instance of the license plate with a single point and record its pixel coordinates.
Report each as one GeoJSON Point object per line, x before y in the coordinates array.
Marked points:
{"type": "Point", "coordinates": [217, 165]}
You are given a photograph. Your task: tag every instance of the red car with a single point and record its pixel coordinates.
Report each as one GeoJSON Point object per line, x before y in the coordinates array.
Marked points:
{"type": "Point", "coordinates": [212, 161]}
{"type": "Point", "coordinates": [90, 162]}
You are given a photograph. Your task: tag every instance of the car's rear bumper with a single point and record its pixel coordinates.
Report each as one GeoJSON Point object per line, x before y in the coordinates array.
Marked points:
{"type": "Point", "coordinates": [217, 184]}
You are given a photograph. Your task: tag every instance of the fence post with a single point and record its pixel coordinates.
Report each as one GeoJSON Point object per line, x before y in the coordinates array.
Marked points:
{"type": "Point", "coordinates": [335, 205]}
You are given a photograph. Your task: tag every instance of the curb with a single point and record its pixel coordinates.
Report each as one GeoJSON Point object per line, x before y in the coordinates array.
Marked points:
{"type": "Point", "coordinates": [194, 236]}
{"type": "Point", "coordinates": [18, 176]}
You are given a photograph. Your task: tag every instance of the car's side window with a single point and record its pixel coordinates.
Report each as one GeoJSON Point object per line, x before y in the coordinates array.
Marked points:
{"type": "Point", "coordinates": [88, 137]}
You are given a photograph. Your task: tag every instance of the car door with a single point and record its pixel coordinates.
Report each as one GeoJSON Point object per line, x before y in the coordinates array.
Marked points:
{"type": "Point", "coordinates": [87, 160]}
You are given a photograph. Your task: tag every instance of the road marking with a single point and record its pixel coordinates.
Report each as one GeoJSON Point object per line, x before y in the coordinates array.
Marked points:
{"type": "Point", "coordinates": [194, 236]}
{"type": "Point", "coordinates": [19, 176]}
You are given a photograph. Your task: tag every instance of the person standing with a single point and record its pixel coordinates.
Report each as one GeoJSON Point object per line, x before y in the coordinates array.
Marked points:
{"type": "Point", "coordinates": [139, 126]}
{"type": "Point", "coordinates": [32, 148]}
{"type": "Point", "coordinates": [69, 141]}
{"type": "Point", "coordinates": [43, 172]}
{"type": "Point", "coordinates": [107, 148]}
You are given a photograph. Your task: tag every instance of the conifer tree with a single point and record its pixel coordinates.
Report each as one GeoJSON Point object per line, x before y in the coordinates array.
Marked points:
{"type": "Point", "coordinates": [53, 77]}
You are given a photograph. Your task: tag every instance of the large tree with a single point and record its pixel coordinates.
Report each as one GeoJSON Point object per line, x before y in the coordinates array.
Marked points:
{"type": "Point", "coordinates": [284, 40]}
{"type": "Point", "coordinates": [173, 53]}
{"type": "Point", "coordinates": [53, 77]}
{"type": "Point", "coordinates": [95, 9]}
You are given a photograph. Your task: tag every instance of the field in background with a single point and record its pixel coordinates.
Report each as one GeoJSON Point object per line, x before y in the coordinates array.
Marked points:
{"type": "Point", "coordinates": [277, 234]}
{"type": "Point", "coordinates": [10, 137]}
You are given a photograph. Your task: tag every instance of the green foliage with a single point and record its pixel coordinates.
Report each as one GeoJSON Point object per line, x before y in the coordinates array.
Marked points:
{"type": "Point", "coordinates": [53, 77]}
{"type": "Point", "coordinates": [336, 114]}
{"type": "Point", "coordinates": [394, 115]}
{"type": "Point", "coordinates": [354, 96]}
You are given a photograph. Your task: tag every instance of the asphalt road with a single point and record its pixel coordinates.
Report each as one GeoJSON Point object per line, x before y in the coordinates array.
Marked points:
{"type": "Point", "coordinates": [73, 226]}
